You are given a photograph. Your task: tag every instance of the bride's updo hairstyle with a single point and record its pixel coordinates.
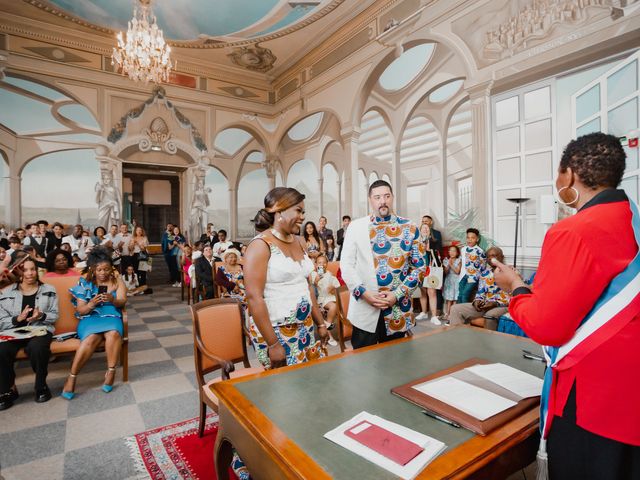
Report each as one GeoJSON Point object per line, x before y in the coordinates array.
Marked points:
{"type": "Point", "coordinates": [277, 200]}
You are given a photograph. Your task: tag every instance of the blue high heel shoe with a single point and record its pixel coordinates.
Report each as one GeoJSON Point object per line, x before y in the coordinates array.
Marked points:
{"type": "Point", "coordinates": [108, 388]}
{"type": "Point", "coordinates": [70, 395]}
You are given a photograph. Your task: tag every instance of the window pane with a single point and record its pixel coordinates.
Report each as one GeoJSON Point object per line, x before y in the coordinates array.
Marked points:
{"type": "Point", "coordinates": [588, 103]}
{"type": "Point", "coordinates": [537, 102]}
{"type": "Point", "coordinates": [507, 111]}
{"type": "Point", "coordinates": [632, 158]}
{"type": "Point", "coordinates": [538, 167]}
{"type": "Point", "coordinates": [506, 234]}
{"type": "Point", "coordinates": [592, 126]}
{"type": "Point", "coordinates": [630, 185]}
{"type": "Point", "coordinates": [505, 207]}
{"type": "Point", "coordinates": [537, 135]}
{"type": "Point", "coordinates": [508, 141]}
{"type": "Point", "coordinates": [535, 232]}
{"type": "Point", "coordinates": [508, 171]}
{"type": "Point", "coordinates": [534, 194]}
{"type": "Point", "coordinates": [624, 118]}
{"type": "Point", "coordinates": [622, 83]}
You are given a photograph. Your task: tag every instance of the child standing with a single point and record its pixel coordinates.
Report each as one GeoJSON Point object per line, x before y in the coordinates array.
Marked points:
{"type": "Point", "coordinates": [452, 266]}
{"type": "Point", "coordinates": [473, 259]}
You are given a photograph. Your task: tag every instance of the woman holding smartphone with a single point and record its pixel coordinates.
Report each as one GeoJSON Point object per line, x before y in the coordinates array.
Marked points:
{"type": "Point", "coordinates": [28, 303]}
{"type": "Point", "coordinates": [98, 298]}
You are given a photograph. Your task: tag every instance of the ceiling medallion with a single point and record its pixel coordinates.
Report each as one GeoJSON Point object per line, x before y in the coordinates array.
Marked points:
{"type": "Point", "coordinates": [254, 58]}
{"type": "Point", "coordinates": [144, 55]}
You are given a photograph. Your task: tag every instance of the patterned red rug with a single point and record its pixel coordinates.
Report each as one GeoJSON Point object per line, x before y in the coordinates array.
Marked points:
{"type": "Point", "coordinates": [175, 451]}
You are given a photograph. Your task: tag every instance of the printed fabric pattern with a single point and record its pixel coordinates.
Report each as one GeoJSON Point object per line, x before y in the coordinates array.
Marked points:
{"type": "Point", "coordinates": [489, 291]}
{"type": "Point", "coordinates": [398, 259]}
{"type": "Point", "coordinates": [474, 259]}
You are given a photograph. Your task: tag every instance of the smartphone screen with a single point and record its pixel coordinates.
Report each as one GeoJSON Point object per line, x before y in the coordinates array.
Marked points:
{"type": "Point", "coordinates": [102, 289]}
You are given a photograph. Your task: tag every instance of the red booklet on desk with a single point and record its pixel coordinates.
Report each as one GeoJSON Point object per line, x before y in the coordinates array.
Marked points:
{"type": "Point", "coordinates": [386, 443]}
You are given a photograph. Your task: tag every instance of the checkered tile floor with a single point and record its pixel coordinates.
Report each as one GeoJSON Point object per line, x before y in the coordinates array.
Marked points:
{"type": "Point", "coordinates": [84, 438]}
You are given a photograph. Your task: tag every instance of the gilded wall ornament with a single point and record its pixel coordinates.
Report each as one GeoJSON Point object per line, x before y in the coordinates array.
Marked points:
{"type": "Point", "coordinates": [255, 58]}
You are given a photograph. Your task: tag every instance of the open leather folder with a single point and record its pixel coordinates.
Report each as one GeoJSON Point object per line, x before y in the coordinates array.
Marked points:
{"type": "Point", "coordinates": [481, 427]}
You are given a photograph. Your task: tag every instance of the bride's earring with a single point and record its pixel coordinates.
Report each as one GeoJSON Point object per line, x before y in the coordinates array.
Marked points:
{"type": "Point", "coordinates": [575, 200]}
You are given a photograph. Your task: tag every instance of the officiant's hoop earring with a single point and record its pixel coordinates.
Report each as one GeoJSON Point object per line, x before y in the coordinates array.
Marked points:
{"type": "Point", "coordinates": [568, 204]}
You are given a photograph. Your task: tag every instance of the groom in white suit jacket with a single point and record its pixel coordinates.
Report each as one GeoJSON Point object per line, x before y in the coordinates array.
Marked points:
{"type": "Point", "coordinates": [382, 263]}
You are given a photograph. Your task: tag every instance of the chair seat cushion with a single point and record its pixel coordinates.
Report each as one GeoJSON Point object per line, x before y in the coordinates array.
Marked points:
{"type": "Point", "coordinates": [243, 372]}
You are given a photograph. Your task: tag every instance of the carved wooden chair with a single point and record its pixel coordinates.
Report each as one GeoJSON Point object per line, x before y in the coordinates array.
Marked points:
{"type": "Point", "coordinates": [345, 328]}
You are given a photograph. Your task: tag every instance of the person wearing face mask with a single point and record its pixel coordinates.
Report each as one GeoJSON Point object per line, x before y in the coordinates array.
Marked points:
{"type": "Point", "coordinates": [98, 300]}
{"type": "Point", "coordinates": [382, 264]}
{"type": "Point", "coordinates": [28, 303]}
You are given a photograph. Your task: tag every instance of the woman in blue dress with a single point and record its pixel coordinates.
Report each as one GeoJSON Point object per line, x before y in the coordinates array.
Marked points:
{"type": "Point", "coordinates": [98, 299]}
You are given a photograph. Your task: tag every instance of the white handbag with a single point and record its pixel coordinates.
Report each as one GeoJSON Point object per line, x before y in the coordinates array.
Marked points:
{"type": "Point", "coordinates": [434, 276]}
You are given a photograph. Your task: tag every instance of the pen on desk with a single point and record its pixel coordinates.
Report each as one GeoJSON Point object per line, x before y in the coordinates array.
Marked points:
{"type": "Point", "coordinates": [442, 419]}
{"type": "Point", "coordinates": [532, 356]}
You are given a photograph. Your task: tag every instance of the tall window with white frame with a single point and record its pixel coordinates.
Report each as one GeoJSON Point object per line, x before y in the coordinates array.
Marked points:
{"type": "Point", "coordinates": [523, 164]}
{"type": "Point", "coordinates": [610, 104]}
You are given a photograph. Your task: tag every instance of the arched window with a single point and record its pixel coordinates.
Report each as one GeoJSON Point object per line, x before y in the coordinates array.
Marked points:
{"type": "Point", "coordinates": [218, 210]}
{"type": "Point", "coordinates": [306, 127]}
{"type": "Point", "coordinates": [330, 195]}
{"type": "Point", "coordinates": [303, 177]}
{"type": "Point", "coordinates": [60, 187]}
{"type": "Point", "coordinates": [251, 192]}
{"type": "Point", "coordinates": [406, 68]}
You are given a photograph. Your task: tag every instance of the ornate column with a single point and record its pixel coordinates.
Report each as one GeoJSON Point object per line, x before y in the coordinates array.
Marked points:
{"type": "Point", "coordinates": [350, 146]}
{"type": "Point", "coordinates": [480, 97]}
{"type": "Point", "coordinates": [270, 165]}
{"type": "Point", "coordinates": [108, 189]}
{"type": "Point", "coordinates": [233, 213]}
{"type": "Point", "coordinates": [13, 197]}
{"type": "Point", "coordinates": [321, 193]}
{"type": "Point", "coordinates": [396, 181]}
{"type": "Point", "coordinates": [339, 183]}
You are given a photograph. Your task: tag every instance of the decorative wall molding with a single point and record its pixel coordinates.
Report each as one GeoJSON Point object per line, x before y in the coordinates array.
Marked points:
{"type": "Point", "coordinates": [254, 58]}
{"type": "Point", "coordinates": [158, 138]}
{"type": "Point", "coordinates": [159, 95]}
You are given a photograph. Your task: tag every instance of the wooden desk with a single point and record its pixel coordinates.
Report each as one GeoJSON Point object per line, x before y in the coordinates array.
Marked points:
{"type": "Point", "coordinates": [276, 420]}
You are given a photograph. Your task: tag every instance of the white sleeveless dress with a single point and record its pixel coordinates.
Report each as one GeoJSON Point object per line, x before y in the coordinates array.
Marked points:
{"type": "Point", "coordinates": [286, 294]}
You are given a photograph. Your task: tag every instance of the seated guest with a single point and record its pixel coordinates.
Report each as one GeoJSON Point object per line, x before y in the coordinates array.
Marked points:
{"type": "Point", "coordinates": [132, 284]}
{"type": "Point", "coordinates": [230, 276]}
{"type": "Point", "coordinates": [80, 244]}
{"type": "Point", "coordinates": [98, 300]}
{"type": "Point", "coordinates": [315, 245]}
{"type": "Point", "coordinates": [60, 264]}
{"type": "Point", "coordinates": [490, 302]}
{"type": "Point", "coordinates": [99, 234]}
{"type": "Point", "coordinates": [210, 236]}
{"type": "Point", "coordinates": [331, 248]}
{"type": "Point", "coordinates": [186, 260]}
{"type": "Point", "coordinates": [222, 245]}
{"type": "Point", "coordinates": [54, 237]}
{"type": "Point", "coordinates": [204, 271]}
{"type": "Point", "coordinates": [14, 246]}
{"type": "Point", "coordinates": [27, 303]}
{"type": "Point", "coordinates": [21, 233]}
{"type": "Point", "coordinates": [326, 284]}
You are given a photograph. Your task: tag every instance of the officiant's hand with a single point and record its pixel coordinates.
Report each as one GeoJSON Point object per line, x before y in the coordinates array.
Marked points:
{"type": "Point", "coordinates": [506, 277]}
{"type": "Point", "coordinates": [375, 299]}
{"type": "Point", "coordinates": [389, 298]}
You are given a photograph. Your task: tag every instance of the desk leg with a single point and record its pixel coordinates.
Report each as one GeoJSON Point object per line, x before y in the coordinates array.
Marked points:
{"type": "Point", "coordinates": [222, 456]}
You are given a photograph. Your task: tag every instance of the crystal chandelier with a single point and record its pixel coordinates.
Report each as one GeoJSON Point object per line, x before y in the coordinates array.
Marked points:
{"type": "Point", "coordinates": [144, 55]}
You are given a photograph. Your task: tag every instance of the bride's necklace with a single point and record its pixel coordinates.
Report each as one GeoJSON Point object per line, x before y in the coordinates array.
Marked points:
{"type": "Point", "coordinates": [280, 237]}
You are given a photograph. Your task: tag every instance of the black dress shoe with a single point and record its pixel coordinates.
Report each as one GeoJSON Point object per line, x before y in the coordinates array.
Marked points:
{"type": "Point", "coordinates": [43, 395]}
{"type": "Point", "coordinates": [7, 399]}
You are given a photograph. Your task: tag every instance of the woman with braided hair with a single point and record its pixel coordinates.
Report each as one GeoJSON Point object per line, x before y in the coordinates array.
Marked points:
{"type": "Point", "coordinates": [98, 298]}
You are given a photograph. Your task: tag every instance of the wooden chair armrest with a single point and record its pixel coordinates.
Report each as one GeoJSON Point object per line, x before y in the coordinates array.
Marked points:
{"type": "Point", "coordinates": [226, 366]}
{"type": "Point", "coordinates": [125, 324]}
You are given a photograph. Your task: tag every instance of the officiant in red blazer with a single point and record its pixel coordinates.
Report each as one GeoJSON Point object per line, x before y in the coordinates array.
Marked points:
{"type": "Point", "coordinates": [585, 307]}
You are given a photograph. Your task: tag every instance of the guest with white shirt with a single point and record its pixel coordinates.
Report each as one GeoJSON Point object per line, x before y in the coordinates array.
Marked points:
{"type": "Point", "coordinates": [222, 244]}
{"type": "Point", "coordinates": [80, 245]}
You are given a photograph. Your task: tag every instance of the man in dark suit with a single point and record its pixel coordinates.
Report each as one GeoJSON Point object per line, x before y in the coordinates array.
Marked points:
{"type": "Point", "coordinates": [346, 220]}
{"type": "Point", "coordinates": [323, 231]}
{"type": "Point", "coordinates": [204, 271]}
{"type": "Point", "coordinates": [210, 236]}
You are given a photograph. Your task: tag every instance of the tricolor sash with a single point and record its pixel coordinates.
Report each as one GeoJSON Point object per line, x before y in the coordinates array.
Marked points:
{"type": "Point", "coordinates": [608, 316]}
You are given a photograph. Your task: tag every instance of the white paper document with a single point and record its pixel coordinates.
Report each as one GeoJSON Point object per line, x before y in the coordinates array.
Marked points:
{"type": "Point", "coordinates": [475, 401]}
{"type": "Point", "coordinates": [514, 380]}
{"type": "Point", "coordinates": [432, 447]}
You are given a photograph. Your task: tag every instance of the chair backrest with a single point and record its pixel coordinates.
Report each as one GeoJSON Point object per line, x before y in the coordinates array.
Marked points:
{"type": "Point", "coordinates": [67, 321]}
{"type": "Point", "coordinates": [218, 329]}
{"type": "Point", "coordinates": [333, 268]}
{"type": "Point", "coordinates": [345, 328]}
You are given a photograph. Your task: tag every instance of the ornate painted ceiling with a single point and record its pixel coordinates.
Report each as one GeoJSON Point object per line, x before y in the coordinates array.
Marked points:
{"type": "Point", "coordinates": [184, 20]}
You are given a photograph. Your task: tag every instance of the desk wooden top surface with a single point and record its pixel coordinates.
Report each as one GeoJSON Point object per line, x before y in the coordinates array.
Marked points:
{"type": "Point", "coordinates": [290, 409]}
